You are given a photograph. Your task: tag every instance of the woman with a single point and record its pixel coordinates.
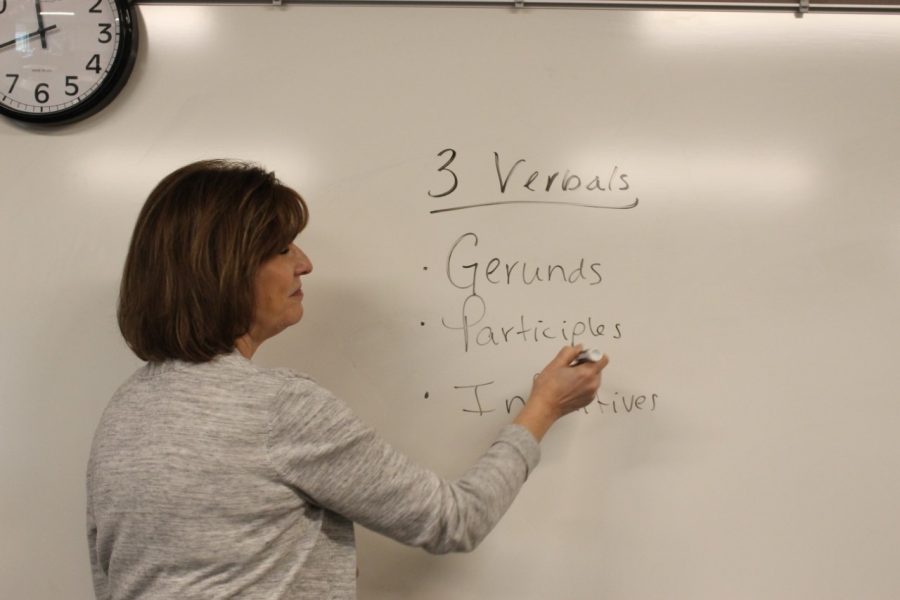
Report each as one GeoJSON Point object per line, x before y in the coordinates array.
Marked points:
{"type": "Point", "coordinates": [210, 477]}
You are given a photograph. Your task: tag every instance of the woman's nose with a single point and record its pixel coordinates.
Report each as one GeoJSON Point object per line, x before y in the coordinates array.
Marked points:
{"type": "Point", "coordinates": [304, 265]}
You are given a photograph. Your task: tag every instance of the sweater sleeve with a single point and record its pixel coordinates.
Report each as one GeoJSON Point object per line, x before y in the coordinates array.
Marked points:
{"type": "Point", "coordinates": [320, 447]}
{"type": "Point", "coordinates": [101, 586]}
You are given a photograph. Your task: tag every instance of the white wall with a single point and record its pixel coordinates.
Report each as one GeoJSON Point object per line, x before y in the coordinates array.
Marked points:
{"type": "Point", "coordinates": [755, 285]}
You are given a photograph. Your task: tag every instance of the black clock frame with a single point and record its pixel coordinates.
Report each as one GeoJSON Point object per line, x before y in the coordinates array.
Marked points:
{"type": "Point", "coordinates": [121, 69]}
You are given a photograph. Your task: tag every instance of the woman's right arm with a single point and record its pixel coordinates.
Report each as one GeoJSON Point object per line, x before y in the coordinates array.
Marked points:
{"type": "Point", "coordinates": [319, 446]}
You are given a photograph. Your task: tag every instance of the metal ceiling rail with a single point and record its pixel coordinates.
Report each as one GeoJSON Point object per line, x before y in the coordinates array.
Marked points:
{"type": "Point", "coordinates": [800, 7]}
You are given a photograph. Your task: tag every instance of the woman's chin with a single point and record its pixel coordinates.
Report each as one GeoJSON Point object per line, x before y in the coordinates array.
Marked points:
{"type": "Point", "coordinates": [296, 315]}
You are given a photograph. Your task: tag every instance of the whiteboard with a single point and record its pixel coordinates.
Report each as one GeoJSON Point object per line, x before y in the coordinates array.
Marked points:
{"type": "Point", "coordinates": [744, 444]}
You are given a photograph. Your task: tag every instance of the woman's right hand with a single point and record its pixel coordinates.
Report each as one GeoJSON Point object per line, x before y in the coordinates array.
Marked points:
{"type": "Point", "coordinates": [560, 389]}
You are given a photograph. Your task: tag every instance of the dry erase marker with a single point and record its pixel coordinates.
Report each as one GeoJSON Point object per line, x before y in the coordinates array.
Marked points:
{"type": "Point", "coordinates": [587, 356]}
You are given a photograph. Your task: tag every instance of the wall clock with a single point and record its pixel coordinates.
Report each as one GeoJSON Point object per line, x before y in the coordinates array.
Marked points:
{"type": "Point", "coordinates": [63, 60]}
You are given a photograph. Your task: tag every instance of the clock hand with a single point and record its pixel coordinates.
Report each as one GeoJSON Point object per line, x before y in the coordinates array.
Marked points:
{"type": "Point", "coordinates": [40, 17]}
{"type": "Point", "coordinates": [40, 32]}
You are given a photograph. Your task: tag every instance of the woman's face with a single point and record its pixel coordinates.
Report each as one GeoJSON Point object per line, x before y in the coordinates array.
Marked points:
{"type": "Point", "coordinates": [278, 293]}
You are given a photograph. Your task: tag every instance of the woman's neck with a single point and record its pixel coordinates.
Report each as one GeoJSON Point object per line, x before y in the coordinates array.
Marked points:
{"type": "Point", "coordinates": [247, 345]}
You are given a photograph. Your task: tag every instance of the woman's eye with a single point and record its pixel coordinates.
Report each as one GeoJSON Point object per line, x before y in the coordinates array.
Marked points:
{"type": "Point", "coordinates": [284, 251]}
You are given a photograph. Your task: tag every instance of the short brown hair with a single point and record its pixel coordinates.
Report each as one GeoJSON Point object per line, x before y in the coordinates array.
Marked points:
{"type": "Point", "coordinates": [187, 288]}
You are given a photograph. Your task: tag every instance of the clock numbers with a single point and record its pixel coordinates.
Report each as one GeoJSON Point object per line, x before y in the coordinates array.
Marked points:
{"type": "Point", "coordinates": [15, 80]}
{"type": "Point", "coordinates": [93, 64]}
{"type": "Point", "coordinates": [41, 94]}
{"type": "Point", "coordinates": [71, 85]}
{"type": "Point", "coordinates": [95, 8]}
{"type": "Point", "coordinates": [105, 35]}
{"type": "Point", "coordinates": [2, 6]}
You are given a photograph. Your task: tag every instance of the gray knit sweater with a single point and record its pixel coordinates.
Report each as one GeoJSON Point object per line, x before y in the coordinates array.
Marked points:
{"type": "Point", "coordinates": [227, 480]}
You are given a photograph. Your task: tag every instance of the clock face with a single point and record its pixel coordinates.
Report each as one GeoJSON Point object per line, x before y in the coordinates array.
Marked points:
{"type": "Point", "coordinates": [62, 60]}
